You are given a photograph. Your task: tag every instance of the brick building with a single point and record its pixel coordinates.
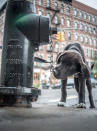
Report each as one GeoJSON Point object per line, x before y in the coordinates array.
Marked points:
{"type": "Point", "coordinates": [77, 22]}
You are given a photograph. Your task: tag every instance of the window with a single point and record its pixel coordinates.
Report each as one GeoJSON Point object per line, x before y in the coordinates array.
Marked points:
{"type": "Point", "coordinates": [36, 76]}
{"type": "Point", "coordinates": [41, 56]}
{"type": "Point", "coordinates": [81, 14]}
{"type": "Point", "coordinates": [68, 23]}
{"type": "Point", "coordinates": [40, 12]}
{"type": "Point", "coordinates": [75, 12]}
{"type": "Point", "coordinates": [48, 3]}
{"type": "Point", "coordinates": [62, 8]}
{"type": "Point", "coordinates": [90, 41]}
{"type": "Point", "coordinates": [69, 35]}
{"type": "Point", "coordinates": [40, 47]}
{"type": "Point", "coordinates": [95, 42]}
{"type": "Point", "coordinates": [94, 19]}
{"type": "Point", "coordinates": [63, 46]}
{"type": "Point", "coordinates": [94, 31]}
{"type": "Point", "coordinates": [48, 57]}
{"type": "Point", "coordinates": [90, 29]}
{"type": "Point", "coordinates": [49, 15]}
{"type": "Point", "coordinates": [76, 25]}
{"type": "Point", "coordinates": [91, 53]}
{"type": "Point", "coordinates": [87, 52]}
{"type": "Point", "coordinates": [86, 40]}
{"type": "Point", "coordinates": [56, 47]}
{"type": "Point", "coordinates": [76, 36]}
{"type": "Point", "coordinates": [96, 54]}
{"type": "Point", "coordinates": [85, 16]}
{"type": "Point", "coordinates": [48, 48]}
{"type": "Point", "coordinates": [86, 28]}
{"type": "Point", "coordinates": [56, 20]}
{"type": "Point", "coordinates": [89, 18]}
{"type": "Point", "coordinates": [81, 26]}
{"type": "Point", "coordinates": [62, 21]}
{"type": "Point", "coordinates": [68, 9]}
{"type": "Point", "coordinates": [56, 5]}
{"type": "Point", "coordinates": [40, 2]}
{"type": "Point", "coordinates": [82, 38]}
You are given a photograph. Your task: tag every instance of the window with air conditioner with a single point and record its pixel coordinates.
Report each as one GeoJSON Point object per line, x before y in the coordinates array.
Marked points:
{"type": "Point", "coordinates": [69, 35]}
{"type": "Point", "coordinates": [48, 3]}
{"type": "Point", "coordinates": [62, 8]}
{"type": "Point", "coordinates": [40, 2]}
{"type": "Point", "coordinates": [56, 19]}
{"type": "Point", "coordinates": [68, 9]}
{"type": "Point", "coordinates": [68, 23]}
{"type": "Point", "coordinates": [76, 25]}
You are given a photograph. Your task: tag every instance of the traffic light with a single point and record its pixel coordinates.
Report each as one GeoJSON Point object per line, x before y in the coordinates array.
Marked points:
{"type": "Point", "coordinates": [61, 36]}
{"type": "Point", "coordinates": [95, 76]}
{"type": "Point", "coordinates": [58, 36]}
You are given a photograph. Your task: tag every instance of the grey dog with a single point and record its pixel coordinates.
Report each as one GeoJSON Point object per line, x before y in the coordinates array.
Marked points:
{"type": "Point", "coordinates": [72, 62]}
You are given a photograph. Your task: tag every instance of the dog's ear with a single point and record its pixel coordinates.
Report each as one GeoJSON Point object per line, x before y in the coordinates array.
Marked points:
{"type": "Point", "coordinates": [85, 70]}
{"type": "Point", "coordinates": [57, 58]}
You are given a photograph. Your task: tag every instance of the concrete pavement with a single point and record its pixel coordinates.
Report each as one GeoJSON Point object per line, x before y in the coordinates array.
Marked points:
{"type": "Point", "coordinates": [46, 116]}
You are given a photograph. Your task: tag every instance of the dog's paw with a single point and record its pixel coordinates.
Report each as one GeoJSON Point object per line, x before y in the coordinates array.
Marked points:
{"type": "Point", "coordinates": [81, 105]}
{"type": "Point", "coordinates": [62, 104]}
{"type": "Point", "coordinates": [92, 107]}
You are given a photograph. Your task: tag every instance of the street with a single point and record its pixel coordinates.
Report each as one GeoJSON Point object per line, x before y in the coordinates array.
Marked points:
{"type": "Point", "coordinates": [45, 115]}
{"type": "Point", "coordinates": [52, 97]}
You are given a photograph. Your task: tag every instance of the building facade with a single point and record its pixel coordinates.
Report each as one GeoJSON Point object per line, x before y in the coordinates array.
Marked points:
{"type": "Point", "coordinates": [77, 22]}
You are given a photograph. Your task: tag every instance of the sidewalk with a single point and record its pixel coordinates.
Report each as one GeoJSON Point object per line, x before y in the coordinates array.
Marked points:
{"type": "Point", "coordinates": [48, 118]}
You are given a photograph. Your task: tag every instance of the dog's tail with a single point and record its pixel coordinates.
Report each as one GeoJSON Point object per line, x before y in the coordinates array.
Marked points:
{"type": "Point", "coordinates": [92, 66]}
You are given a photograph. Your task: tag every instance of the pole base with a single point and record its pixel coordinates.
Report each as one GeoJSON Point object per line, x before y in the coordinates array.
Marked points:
{"type": "Point", "coordinates": [18, 96]}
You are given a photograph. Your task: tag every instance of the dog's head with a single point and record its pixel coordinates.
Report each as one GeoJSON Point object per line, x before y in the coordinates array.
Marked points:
{"type": "Point", "coordinates": [68, 64]}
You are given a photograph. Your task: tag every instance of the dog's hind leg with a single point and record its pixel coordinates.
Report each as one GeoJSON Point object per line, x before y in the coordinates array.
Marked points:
{"type": "Point", "coordinates": [81, 93]}
{"type": "Point", "coordinates": [89, 87]}
{"type": "Point", "coordinates": [76, 82]}
{"type": "Point", "coordinates": [63, 93]}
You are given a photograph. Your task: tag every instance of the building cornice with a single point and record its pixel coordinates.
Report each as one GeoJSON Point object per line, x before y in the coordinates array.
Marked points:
{"type": "Point", "coordinates": [84, 7]}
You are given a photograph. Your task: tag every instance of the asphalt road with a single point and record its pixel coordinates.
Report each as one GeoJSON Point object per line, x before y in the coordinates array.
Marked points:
{"type": "Point", "coordinates": [52, 97]}
{"type": "Point", "coordinates": [46, 116]}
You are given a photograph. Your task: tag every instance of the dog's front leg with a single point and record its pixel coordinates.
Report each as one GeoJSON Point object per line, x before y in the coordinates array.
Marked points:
{"type": "Point", "coordinates": [89, 86]}
{"type": "Point", "coordinates": [63, 93]}
{"type": "Point", "coordinates": [81, 93]}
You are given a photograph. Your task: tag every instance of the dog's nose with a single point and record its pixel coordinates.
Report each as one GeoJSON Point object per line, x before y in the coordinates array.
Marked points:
{"type": "Point", "coordinates": [55, 72]}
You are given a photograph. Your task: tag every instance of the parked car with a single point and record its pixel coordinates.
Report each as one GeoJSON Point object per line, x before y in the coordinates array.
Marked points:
{"type": "Point", "coordinates": [45, 86]}
{"type": "Point", "coordinates": [56, 86]}
{"type": "Point", "coordinates": [94, 82]}
{"type": "Point", "coordinates": [70, 83]}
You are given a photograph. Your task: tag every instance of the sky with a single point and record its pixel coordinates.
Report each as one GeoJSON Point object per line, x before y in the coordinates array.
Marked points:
{"type": "Point", "coordinates": [91, 3]}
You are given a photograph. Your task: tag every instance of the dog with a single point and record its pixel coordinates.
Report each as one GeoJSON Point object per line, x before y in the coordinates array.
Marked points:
{"type": "Point", "coordinates": [72, 62]}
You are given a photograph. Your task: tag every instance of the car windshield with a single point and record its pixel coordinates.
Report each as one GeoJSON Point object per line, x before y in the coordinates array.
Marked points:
{"type": "Point", "coordinates": [70, 81]}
